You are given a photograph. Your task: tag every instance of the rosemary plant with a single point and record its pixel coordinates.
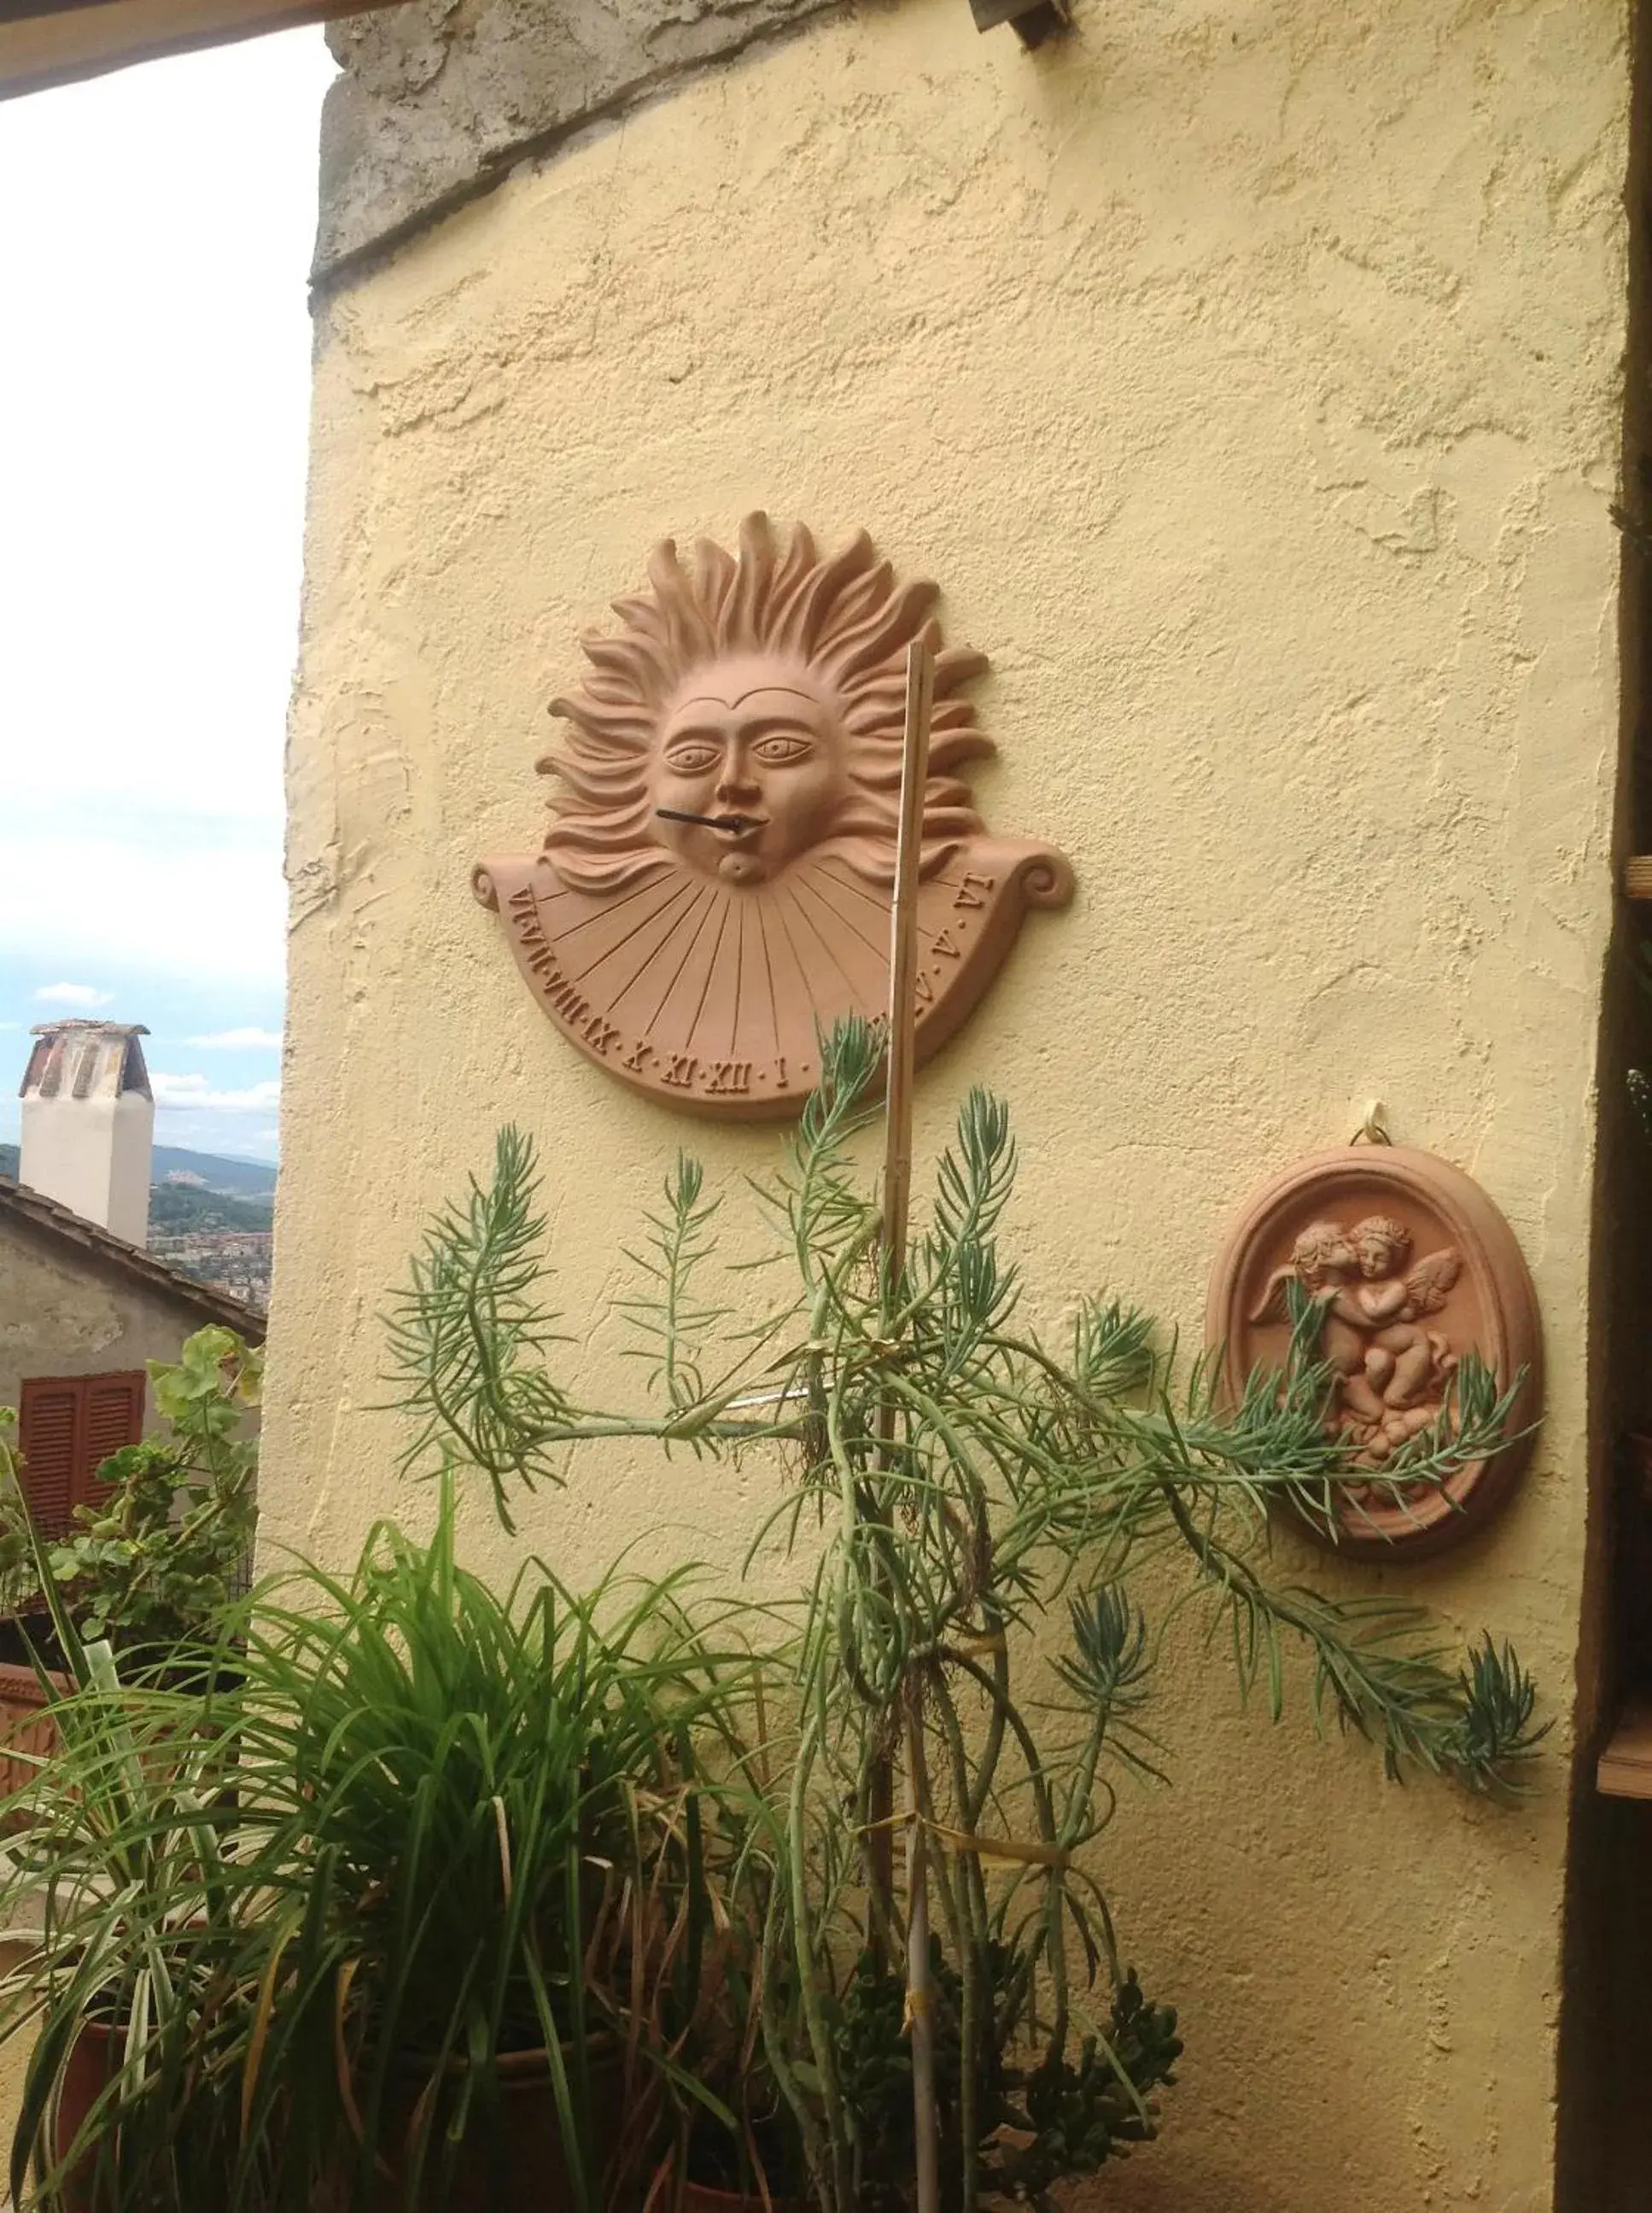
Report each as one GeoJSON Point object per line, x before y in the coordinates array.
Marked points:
{"type": "Point", "coordinates": [976, 1504]}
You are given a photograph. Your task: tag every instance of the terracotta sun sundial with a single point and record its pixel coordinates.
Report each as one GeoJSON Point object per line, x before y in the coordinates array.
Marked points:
{"type": "Point", "coordinates": [715, 888]}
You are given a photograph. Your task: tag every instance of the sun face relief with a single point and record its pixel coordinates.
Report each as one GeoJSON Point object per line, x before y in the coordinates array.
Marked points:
{"type": "Point", "coordinates": [761, 697]}
{"type": "Point", "coordinates": [753, 744]}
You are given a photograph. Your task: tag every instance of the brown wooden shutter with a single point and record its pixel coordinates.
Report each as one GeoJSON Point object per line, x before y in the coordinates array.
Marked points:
{"type": "Point", "coordinates": [68, 1426]}
{"type": "Point", "coordinates": [114, 1418]}
{"type": "Point", "coordinates": [49, 1427]}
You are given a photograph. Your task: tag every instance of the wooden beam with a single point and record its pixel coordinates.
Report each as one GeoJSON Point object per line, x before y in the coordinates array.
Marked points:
{"type": "Point", "coordinates": [1624, 1767]}
{"type": "Point", "coordinates": [48, 42]}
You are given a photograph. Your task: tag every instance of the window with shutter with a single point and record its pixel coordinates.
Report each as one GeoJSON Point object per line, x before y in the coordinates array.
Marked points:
{"type": "Point", "coordinates": [49, 1420]}
{"type": "Point", "coordinates": [114, 1418]}
{"type": "Point", "coordinates": [68, 1425]}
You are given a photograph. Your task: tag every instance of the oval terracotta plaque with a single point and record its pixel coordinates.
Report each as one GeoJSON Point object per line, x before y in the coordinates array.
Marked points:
{"type": "Point", "coordinates": [1415, 1267]}
{"type": "Point", "coordinates": [714, 887]}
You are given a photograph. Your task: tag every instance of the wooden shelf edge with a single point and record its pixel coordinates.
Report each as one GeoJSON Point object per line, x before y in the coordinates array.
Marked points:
{"type": "Point", "coordinates": [1637, 876]}
{"type": "Point", "coordinates": [1624, 1767]}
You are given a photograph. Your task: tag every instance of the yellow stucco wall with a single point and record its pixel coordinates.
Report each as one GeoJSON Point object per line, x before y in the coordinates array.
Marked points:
{"type": "Point", "coordinates": [1248, 371]}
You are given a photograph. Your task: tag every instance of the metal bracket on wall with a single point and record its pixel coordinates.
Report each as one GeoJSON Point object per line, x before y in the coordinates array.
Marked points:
{"type": "Point", "coordinates": [1032, 21]}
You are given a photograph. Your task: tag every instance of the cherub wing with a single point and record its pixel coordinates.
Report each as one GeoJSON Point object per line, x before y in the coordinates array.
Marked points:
{"type": "Point", "coordinates": [1275, 1304]}
{"type": "Point", "coordinates": [1429, 1282]}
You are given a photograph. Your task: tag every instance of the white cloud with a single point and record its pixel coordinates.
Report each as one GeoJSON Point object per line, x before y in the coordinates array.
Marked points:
{"type": "Point", "coordinates": [139, 512]}
{"type": "Point", "coordinates": [178, 897]}
{"type": "Point", "coordinates": [251, 1040]}
{"type": "Point", "coordinates": [72, 995]}
{"type": "Point", "coordinates": [191, 1093]}
{"type": "Point", "coordinates": [141, 832]}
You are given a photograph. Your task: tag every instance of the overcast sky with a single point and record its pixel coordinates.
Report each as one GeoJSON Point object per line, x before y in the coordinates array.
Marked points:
{"type": "Point", "coordinates": [154, 387]}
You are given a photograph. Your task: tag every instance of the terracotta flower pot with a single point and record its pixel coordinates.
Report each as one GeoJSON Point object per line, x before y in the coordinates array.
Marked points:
{"type": "Point", "coordinates": [521, 2168]}
{"type": "Point", "coordinates": [519, 2164]}
{"type": "Point", "coordinates": [92, 2060]}
{"type": "Point", "coordinates": [699, 2197]}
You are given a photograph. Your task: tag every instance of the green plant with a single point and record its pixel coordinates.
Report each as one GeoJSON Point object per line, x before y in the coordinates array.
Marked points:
{"type": "Point", "coordinates": [502, 1843]}
{"type": "Point", "coordinates": [152, 1562]}
{"type": "Point", "coordinates": [1038, 2117]}
{"type": "Point", "coordinates": [112, 1857]}
{"type": "Point", "coordinates": [972, 1484]}
{"type": "Point", "coordinates": [427, 1825]}
{"type": "Point", "coordinates": [425, 1828]}
{"type": "Point", "coordinates": [730, 2126]}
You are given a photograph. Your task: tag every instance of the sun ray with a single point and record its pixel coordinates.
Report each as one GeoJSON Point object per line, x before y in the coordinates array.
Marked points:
{"type": "Point", "coordinates": [656, 931]}
{"type": "Point", "coordinates": [710, 903]}
{"type": "Point", "coordinates": [760, 909]}
{"type": "Point", "coordinates": [664, 883]}
{"type": "Point", "coordinates": [830, 1000]}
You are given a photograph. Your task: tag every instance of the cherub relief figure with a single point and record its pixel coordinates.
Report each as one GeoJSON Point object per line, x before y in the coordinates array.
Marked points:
{"type": "Point", "coordinates": [1391, 1372]}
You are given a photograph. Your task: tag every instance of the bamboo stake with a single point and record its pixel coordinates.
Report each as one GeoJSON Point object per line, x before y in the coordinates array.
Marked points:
{"type": "Point", "coordinates": [920, 2015]}
{"type": "Point", "coordinates": [903, 958]}
{"type": "Point", "coordinates": [897, 1201]}
{"type": "Point", "coordinates": [899, 1019]}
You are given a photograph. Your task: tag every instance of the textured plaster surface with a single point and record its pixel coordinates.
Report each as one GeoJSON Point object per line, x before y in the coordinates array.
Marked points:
{"type": "Point", "coordinates": [1249, 373]}
{"type": "Point", "coordinates": [437, 98]}
{"type": "Point", "coordinates": [57, 1319]}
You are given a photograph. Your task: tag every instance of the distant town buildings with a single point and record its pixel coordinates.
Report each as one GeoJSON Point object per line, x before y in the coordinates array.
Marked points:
{"type": "Point", "coordinates": [237, 1261]}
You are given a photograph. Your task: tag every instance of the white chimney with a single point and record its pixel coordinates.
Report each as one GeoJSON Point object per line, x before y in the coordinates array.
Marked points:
{"type": "Point", "coordinates": [88, 1123]}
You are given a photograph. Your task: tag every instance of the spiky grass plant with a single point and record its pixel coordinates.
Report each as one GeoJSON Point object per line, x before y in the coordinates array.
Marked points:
{"type": "Point", "coordinates": [112, 1871]}
{"type": "Point", "coordinates": [320, 1912]}
{"type": "Point", "coordinates": [977, 1505]}
{"type": "Point", "coordinates": [501, 1850]}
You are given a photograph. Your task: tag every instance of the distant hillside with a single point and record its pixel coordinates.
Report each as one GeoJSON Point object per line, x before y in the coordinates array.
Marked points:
{"type": "Point", "coordinates": [182, 1210]}
{"type": "Point", "coordinates": [248, 1179]}
{"type": "Point", "coordinates": [219, 1175]}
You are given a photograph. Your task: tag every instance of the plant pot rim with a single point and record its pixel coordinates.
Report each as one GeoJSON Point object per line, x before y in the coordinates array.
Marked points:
{"type": "Point", "coordinates": [715, 2200]}
{"type": "Point", "coordinates": [601, 2050]}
